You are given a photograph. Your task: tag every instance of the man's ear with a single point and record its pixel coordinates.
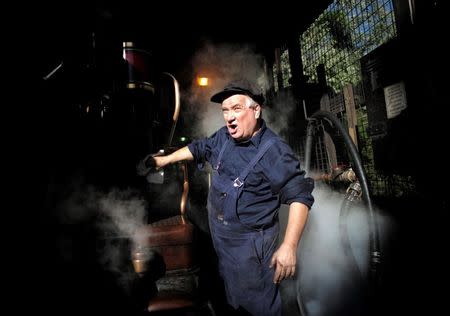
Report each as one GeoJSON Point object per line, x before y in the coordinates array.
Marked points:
{"type": "Point", "coordinates": [257, 111]}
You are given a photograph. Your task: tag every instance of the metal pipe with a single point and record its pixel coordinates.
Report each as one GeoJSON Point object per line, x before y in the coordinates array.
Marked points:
{"type": "Point", "coordinates": [176, 112]}
{"type": "Point", "coordinates": [308, 146]}
{"type": "Point", "coordinates": [374, 243]}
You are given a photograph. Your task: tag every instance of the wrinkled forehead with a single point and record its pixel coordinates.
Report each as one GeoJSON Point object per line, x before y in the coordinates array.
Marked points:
{"type": "Point", "coordinates": [236, 99]}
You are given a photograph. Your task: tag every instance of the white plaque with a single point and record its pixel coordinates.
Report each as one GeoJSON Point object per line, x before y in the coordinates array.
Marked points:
{"type": "Point", "coordinates": [395, 98]}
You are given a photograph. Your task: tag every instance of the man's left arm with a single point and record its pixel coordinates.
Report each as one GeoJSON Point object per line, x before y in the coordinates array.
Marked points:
{"type": "Point", "coordinates": [294, 189]}
{"type": "Point", "coordinates": [285, 258]}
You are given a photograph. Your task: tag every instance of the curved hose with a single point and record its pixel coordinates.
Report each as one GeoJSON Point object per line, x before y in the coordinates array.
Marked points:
{"type": "Point", "coordinates": [374, 242]}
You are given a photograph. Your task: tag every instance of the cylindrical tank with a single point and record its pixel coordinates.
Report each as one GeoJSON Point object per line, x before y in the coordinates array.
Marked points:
{"type": "Point", "coordinates": [140, 68]}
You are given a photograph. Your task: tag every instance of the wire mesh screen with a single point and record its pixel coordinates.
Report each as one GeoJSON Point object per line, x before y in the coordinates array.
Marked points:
{"type": "Point", "coordinates": [342, 34]}
{"type": "Point", "coordinates": [346, 31]}
{"type": "Point", "coordinates": [285, 69]}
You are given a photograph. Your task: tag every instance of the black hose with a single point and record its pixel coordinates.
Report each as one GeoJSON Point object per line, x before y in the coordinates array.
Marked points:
{"type": "Point", "coordinates": [308, 146]}
{"type": "Point", "coordinates": [350, 199]}
{"type": "Point", "coordinates": [359, 170]}
{"type": "Point", "coordinates": [374, 242]}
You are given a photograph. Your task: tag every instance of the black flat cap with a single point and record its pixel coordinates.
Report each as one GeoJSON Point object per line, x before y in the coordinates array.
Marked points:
{"type": "Point", "coordinates": [240, 86]}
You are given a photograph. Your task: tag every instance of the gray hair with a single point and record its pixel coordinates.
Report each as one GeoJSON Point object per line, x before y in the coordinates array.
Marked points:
{"type": "Point", "coordinates": [249, 102]}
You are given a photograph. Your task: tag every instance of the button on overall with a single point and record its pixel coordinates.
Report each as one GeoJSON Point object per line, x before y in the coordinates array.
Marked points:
{"type": "Point", "coordinates": [243, 258]}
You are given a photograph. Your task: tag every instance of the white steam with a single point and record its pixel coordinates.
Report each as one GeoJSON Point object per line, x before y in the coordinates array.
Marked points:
{"type": "Point", "coordinates": [279, 114]}
{"type": "Point", "coordinates": [330, 272]}
{"type": "Point", "coordinates": [221, 64]}
{"type": "Point", "coordinates": [123, 212]}
{"type": "Point", "coordinates": [112, 218]}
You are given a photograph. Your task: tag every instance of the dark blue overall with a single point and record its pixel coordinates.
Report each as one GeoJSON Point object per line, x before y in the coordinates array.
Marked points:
{"type": "Point", "coordinates": [244, 252]}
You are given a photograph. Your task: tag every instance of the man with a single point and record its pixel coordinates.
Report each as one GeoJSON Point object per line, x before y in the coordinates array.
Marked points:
{"type": "Point", "coordinates": [254, 171]}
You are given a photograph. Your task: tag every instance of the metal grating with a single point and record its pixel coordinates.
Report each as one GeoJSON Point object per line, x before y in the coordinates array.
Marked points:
{"type": "Point", "coordinates": [342, 34]}
{"type": "Point", "coordinates": [380, 184]}
{"type": "Point", "coordinates": [285, 70]}
{"type": "Point", "coordinates": [321, 162]}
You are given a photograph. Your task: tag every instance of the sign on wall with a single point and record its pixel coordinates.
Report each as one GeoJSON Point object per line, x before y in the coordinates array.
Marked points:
{"type": "Point", "coordinates": [395, 98]}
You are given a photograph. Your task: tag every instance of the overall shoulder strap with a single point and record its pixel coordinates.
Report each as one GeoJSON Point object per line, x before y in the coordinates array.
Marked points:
{"type": "Point", "coordinates": [219, 158]}
{"type": "Point", "coordinates": [239, 181]}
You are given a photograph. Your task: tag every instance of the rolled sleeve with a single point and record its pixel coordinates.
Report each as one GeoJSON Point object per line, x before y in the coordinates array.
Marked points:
{"type": "Point", "coordinates": [199, 149]}
{"type": "Point", "coordinates": [202, 149]}
{"type": "Point", "coordinates": [298, 189]}
{"type": "Point", "coordinates": [288, 180]}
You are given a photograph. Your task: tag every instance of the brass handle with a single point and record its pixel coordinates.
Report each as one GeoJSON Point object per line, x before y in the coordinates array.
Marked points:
{"type": "Point", "coordinates": [176, 111]}
{"type": "Point", "coordinates": [185, 189]}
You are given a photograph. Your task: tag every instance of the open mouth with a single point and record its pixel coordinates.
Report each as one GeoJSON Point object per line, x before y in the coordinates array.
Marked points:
{"type": "Point", "coordinates": [232, 128]}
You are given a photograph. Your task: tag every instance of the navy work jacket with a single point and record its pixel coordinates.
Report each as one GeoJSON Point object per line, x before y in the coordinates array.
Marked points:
{"type": "Point", "coordinates": [276, 178]}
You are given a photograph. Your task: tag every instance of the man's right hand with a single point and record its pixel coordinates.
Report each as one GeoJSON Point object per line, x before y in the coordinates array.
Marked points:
{"type": "Point", "coordinates": [160, 162]}
{"type": "Point", "coordinates": [146, 165]}
{"type": "Point", "coordinates": [161, 159]}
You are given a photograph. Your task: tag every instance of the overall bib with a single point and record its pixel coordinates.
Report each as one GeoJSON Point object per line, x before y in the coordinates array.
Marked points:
{"type": "Point", "coordinates": [244, 252]}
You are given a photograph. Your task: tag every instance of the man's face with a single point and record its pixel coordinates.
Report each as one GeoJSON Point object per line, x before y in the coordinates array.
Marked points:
{"type": "Point", "coordinates": [241, 120]}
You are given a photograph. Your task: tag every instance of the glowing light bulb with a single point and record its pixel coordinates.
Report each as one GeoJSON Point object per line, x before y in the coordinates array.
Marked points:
{"type": "Point", "coordinates": [202, 81]}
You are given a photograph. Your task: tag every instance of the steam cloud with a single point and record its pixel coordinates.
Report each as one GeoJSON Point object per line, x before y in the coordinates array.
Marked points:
{"type": "Point", "coordinates": [111, 220]}
{"type": "Point", "coordinates": [330, 278]}
{"type": "Point", "coordinates": [280, 112]}
{"type": "Point", "coordinates": [222, 64]}
{"type": "Point", "coordinates": [325, 278]}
